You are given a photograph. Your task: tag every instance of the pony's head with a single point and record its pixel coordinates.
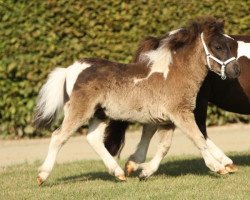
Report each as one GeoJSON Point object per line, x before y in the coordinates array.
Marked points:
{"type": "Point", "coordinates": [215, 46]}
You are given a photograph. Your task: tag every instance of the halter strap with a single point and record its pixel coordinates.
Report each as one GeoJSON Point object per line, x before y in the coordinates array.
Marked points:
{"type": "Point", "coordinates": [222, 63]}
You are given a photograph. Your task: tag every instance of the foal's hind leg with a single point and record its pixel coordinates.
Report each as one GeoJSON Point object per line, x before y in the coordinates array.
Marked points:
{"type": "Point", "coordinates": [166, 138]}
{"type": "Point", "coordinates": [72, 121]}
{"type": "Point", "coordinates": [95, 138]}
{"type": "Point", "coordinates": [186, 122]}
{"type": "Point", "coordinates": [139, 155]}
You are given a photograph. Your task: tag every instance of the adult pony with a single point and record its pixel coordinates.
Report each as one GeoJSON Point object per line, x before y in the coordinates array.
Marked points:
{"type": "Point", "coordinates": [163, 94]}
{"type": "Point", "coordinates": [231, 95]}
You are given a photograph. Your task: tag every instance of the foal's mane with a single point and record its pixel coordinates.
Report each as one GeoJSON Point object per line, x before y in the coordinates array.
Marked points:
{"type": "Point", "coordinates": [184, 36]}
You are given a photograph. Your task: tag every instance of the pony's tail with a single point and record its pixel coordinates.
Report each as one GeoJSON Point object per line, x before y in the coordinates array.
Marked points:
{"type": "Point", "coordinates": [115, 137]}
{"type": "Point", "coordinates": [50, 99]}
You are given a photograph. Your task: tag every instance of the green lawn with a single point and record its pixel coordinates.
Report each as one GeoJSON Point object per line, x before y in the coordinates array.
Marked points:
{"type": "Point", "coordinates": [177, 178]}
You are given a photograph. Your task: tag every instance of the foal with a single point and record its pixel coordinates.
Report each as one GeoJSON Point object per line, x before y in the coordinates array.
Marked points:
{"type": "Point", "coordinates": [162, 94]}
{"type": "Point", "coordinates": [231, 95]}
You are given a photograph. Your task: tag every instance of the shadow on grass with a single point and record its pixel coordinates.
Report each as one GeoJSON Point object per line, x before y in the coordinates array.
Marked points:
{"type": "Point", "coordinates": [174, 168]}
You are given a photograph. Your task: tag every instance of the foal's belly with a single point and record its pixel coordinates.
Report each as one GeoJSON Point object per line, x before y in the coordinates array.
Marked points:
{"type": "Point", "coordinates": [138, 112]}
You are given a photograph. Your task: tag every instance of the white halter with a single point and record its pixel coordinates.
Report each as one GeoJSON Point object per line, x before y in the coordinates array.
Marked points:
{"type": "Point", "coordinates": [223, 64]}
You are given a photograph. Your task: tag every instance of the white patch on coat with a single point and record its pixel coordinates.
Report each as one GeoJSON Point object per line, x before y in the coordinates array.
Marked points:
{"type": "Point", "coordinates": [73, 72]}
{"type": "Point", "coordinates": [158, 61]}
{"type": "Point", "coordinates": [243, 49]}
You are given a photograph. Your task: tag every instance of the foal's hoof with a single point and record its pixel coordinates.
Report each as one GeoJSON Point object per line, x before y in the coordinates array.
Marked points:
{"type": "Point", "coordinates": [231, 168]}
{"type": "Point", "coordinates": [222, 171]}
{"type": "Point", "coordinates": [130, 167]}
{"type": "Point", "coordinates": [121, 178]}
{"type": "Point", "coordinates": [40, 181]}
{"type": "Point", "coordinates": [143, 176]}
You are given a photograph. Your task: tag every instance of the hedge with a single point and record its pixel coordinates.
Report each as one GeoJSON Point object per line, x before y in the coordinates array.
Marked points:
{"type": "Point", "coordinates": [36, 36]}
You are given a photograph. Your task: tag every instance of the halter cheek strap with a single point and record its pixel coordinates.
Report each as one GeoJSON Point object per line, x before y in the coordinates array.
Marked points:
{"type": "Point", "coordinates": [209, 55]}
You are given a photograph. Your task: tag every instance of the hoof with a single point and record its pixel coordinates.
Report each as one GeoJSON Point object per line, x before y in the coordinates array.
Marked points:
{"type": "Point", "coordinates": [142, 177]}
{"type": "Point", "coordinates": [121, 178]}
{"type": "Point", "coordinates": [129, 168]}
{"type": "Point", "coordinates": [39, 181]}
{"type": "Point", "coordinates": [231, 168]}
{"type": "Point", "coordinates": [222, 172]}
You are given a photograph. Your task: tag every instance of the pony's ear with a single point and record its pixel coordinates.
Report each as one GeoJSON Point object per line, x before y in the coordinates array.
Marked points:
{"type": "Point", "coordinates": [211, 25]}
{"type": "Point", "coordinates": [178, 39]}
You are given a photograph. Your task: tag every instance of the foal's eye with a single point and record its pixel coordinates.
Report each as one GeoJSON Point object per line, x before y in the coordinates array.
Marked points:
{"type": "Point", "coordinates": [219, 48]}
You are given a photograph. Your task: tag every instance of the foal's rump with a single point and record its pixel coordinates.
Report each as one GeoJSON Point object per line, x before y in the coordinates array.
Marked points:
{"type": "Point", "coordinates": [55, 92]}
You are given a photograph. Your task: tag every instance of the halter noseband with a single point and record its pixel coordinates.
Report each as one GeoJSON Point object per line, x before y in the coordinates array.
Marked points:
{"type": "Point", "coordinates": [223, 64]}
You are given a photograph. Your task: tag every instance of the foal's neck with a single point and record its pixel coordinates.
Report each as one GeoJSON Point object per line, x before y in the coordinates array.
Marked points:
{"type": "Point", "coordinates": [192, 65]}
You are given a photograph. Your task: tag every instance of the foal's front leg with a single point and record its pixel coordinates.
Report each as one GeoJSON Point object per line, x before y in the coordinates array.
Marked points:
{"type": "Point", "coordinates": [95, 138]}
{"type": "Point", "coordinates": [140, 153]}
{"type": "Point", "coordinates": [186, 122]}
{"type": "Point", "coordinates": [150, 167]}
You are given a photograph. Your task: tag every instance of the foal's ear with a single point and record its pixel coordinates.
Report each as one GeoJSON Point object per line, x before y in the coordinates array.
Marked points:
{"type": "Point", "coordinates": [211, 26]}
{"type": "Point", "coordinates": [178, 39]}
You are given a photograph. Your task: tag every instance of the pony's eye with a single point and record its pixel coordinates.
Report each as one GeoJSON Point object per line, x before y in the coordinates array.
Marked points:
{"type": "Point", "coordinates": [219, 48]}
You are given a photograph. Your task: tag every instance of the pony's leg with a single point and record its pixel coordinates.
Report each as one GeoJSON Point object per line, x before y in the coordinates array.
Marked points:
{"type": "Point", "coordinates": [140, 153]}
{"type": "Point", "coordinates": [95, 138]}
{"type": "Point", "coordinates": [200, 113]}
{"type": "Point", "coordinates": [59, 137]}
{"type": "Point", "coordinates": [186, 122]}
{"type": "Point", "coordinates": [166, 138]}
{"type": "Point", "coordinates": [220, 156]}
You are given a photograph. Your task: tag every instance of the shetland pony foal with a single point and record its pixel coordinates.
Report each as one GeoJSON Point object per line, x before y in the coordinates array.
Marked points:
{"type": "Point", "coordinates": [162, 94]}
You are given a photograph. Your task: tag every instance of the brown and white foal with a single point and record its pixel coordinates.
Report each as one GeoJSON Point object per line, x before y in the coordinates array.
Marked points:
{"type": "Point", "coordinates": [160, 90]}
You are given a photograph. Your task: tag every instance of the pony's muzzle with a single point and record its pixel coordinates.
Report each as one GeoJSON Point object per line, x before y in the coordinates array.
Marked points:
{"type": "Point", "coordinates": [233, 70]}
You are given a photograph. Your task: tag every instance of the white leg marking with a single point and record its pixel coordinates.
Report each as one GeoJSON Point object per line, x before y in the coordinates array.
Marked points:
{"type": "Point", "coordinates": [95, 138]}
{"type": "Point", "coordinates": [217, 153]}
{"type": "Point", "coordinates": [189, 127]}
{"type": "Point", "coordinates": [149, 168]}
{"type": "Point", "coordinates": [54, 147]}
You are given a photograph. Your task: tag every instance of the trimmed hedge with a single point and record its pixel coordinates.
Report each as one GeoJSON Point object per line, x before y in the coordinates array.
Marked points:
{"type": "Point", "coordinates": [37, 36]}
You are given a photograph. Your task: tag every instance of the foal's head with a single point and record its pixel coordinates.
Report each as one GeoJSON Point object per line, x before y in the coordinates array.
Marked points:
{"type": "Point", "coordinates": [215, 45]}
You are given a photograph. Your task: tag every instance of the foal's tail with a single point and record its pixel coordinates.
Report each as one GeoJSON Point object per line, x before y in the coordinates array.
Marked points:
{"type": "Point", "coordinates": [51, 98]}
{"type": "Point", "coordinates": [54, 92]}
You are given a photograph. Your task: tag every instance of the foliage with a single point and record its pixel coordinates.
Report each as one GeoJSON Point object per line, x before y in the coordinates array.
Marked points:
{"type": "Point", "coordinates": [37, 36]}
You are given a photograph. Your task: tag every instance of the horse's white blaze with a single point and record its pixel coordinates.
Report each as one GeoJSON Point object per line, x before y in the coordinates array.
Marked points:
{"type": "Point", "coordinates": [243, 49]}
{"type": "Point", "coordinates": [73, 72]}
{"type": "Point", "coordinates": [217, 153]}
{"type": "Point", "coordinates": [159, 60]}
{"type": "Point", "coordinates": [95, 138]}
{"type": "Point", "coordinates": [50, 96]}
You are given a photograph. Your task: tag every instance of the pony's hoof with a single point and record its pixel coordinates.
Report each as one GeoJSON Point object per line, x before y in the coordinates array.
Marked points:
{"type": "Point", "coordinates": [231, 168]}
{"type": "Point", "coordinates": [142, 177]}
{"type": "Point", "coordinates": [121, 178]}
{"type": "Point", "coordinates": [40, 181]}
{"type": "Point", "coordinates": [222, 171]}
{"type": "Point", "coordinates": [129, 168]}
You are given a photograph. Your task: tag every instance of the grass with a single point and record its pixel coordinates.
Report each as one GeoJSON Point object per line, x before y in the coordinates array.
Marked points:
{"type": "Point", "coordinates": [177, 178]}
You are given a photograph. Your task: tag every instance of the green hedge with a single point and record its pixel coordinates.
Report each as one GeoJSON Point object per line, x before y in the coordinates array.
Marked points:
{"type": "Point", "coordinates": [38, 35]}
